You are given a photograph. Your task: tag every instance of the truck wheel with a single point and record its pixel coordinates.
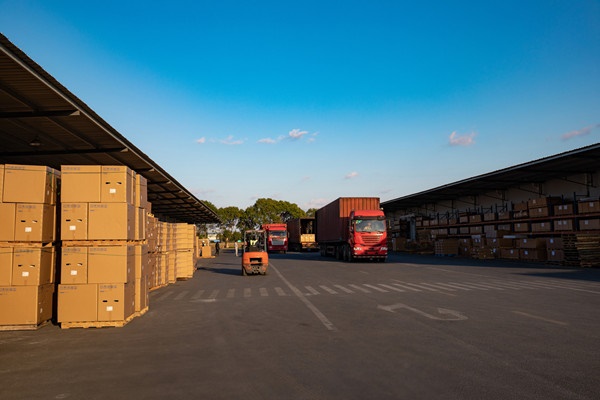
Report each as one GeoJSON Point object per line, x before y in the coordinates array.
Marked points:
{"type": "Point", "coordinates": [244, 272]}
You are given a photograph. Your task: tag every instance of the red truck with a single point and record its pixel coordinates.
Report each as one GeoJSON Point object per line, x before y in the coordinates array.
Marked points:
{"type": "Point", "coordinates": [277, 237]}
{"type": "Point", "coordinates": [301, 233]}
{"type": "Point", "coordinates": [352, 228]}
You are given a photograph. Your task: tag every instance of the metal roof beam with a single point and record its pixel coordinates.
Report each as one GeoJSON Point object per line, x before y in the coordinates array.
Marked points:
{"type": "Point", "coordinates": [40, 114]}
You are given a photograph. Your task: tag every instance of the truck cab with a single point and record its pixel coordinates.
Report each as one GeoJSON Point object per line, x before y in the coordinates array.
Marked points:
{"type": "Point", "coordinates": [277, 237]}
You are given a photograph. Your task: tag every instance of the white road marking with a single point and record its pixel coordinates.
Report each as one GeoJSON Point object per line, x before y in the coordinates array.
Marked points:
{"type": "Point", "coordinates": [375, 288]}
{"type": "Point", "coordinates": [328, 290]}
{"type": "Point", "coordinates": [280, 291]}
{"type": "Point", "coordinates": [263, 292]}
{"type": "Point", "coordinates": [360, 288]}
{"type": "Point", "coordinates": [247, 292]}
{"type": "Point", "coordinates": [164, 296]}
{"type": "Point", "coordinates": [181, 295]}
{"type": "Point", "coordinates": [552, 321]}
{"type": "Point", "coordinates": [344, 289]}
{"type": "Point", "coordinates": [449, 315]}
{"type": "Point", "coordinates": [407, 287]}
{"type": "Point", "coordinates": [324, 320]}
{"type": "Point", "coordinates": [391, 287]}
{"type": "Point", "coordinates": [231, 293]}
{"type": "Point", "coordinates": [198, 294]}
{"type": "Point", "coordinates": [214, 294]}
{"type": "Point", "coordinates": [311, 290]}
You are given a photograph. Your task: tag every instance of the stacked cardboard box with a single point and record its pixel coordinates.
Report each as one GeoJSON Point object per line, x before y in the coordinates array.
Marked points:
{"type": "Point", "coordinates": [28, 196]}
{"type": "Point", "coordinates": [104, 273]}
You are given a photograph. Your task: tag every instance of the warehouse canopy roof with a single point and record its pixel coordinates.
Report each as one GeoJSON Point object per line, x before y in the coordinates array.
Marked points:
{"type": "Point", "coordinates": [42, 123]}
{"type": "Point", "coordinates": [585, 160]}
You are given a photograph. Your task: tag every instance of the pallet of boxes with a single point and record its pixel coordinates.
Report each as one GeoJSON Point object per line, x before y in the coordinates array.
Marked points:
{"type": "Point", "coordinates": [104, 274]}
{"type": "Point", "coordinates": [28, 196]}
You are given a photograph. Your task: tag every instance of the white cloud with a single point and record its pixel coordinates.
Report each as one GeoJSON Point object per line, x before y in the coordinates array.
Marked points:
{"type": "Point", "coordinates": [230, 141]}
{"type": "Point", "coordinates": [267, 141]}
{"type": "Point", "coordinates": [296, 134]}
{"type": "Point", "coordinates": [316, 203]}
{"type": "Point", "coordinates": [462, 140]}
{"type": "Point", "coordinates": [581, 132]}
{"type": "Point", "coordinates": [202, 140]}
{"type": "Point", "coordinates": [351, 175]}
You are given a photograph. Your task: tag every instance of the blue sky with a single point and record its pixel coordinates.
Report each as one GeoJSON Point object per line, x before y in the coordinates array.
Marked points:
{"type": "Point", "coordinates": [309, 101]}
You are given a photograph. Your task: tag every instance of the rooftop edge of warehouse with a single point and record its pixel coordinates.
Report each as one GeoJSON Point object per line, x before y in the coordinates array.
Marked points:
{"type": "Point", "coordinates": [43, 123]}
{"type": "Point", "coordinates": [582, 163]}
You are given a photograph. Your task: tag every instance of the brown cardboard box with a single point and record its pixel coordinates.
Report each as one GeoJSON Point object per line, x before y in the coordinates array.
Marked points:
{"type": "Point", "coordinates": [140, 260]}
{"type": "Point", "coordinates": [584, 207]}
{"type": "Point", "coordinates": [33, 266]}
{"type": "Point", "coordinates": [74, 221]}
{"type": "Point", "coordinates": [521, 227]}
{"type": "Point", "coordinates": [531, 243]}
{"type": "Point", "coordinates": [8, 213]}
{"type": "Point", "coordinates": [116, 301]}
{"type": "Point", "coordinates": [1, 181]}
{"type": "Point", "coordinates": [539, 212]}
{"type": "Point", "coordinates": [26, 305]}
{"type": "Point", "coordinates": [554, 243]}
{"type": "Point", "coordinates": [77, 303]}
{"type": "Point", "coordinates": [543, 202]}
{"type": "Point", "coordinates": [35, 222]}
{"type": "Point", "coordinates": [140, 224]}
{"type": "Point", "coordinates": [74, 265]}
{"type": "Point", "coordinates": [111, 221]}
{"type": "Point", "coordinates": [556, 255]}
{"type": "Point", "coordinates": [589, 224]}
{"type": "Point", "coordinates": [563, 225]}
{"type": "Point", "coordinates": [533, 254]}
{"type": "Point", "coordinates": [117, 185]}
{"type": "Point", "coordinates": [510, 254]}
{"type": "Point", "coordinates": [80, 183]}
{"type": "Point", "coordinates": [564, 209]}
{"type": "Point", "coordinates": [141, 186]}
{"type": "Point", "coordinates": [541, 226]}
{"type": "Point", "coordinates": [30, 184]}
{"type": "Point", "coordinates": [500, 243]}
{"type": "Point", "coordinates": [141, 294]}
{"type": "Point", "coordinates": [6, 265]}
{"type": "Point", "coordinates": [520, 206]}
{"type": "Point", "coordinates": [111, 264]}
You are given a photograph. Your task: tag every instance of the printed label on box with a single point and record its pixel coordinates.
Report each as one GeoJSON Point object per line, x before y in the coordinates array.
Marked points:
{"type": "Point", "coordinates": [109, 308]}
{"type": "Point", "coordinates": [72, 228]}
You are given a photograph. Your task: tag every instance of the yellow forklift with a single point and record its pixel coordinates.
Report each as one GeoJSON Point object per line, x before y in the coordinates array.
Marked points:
{"type": "Point", "coordinates": [255, 259]}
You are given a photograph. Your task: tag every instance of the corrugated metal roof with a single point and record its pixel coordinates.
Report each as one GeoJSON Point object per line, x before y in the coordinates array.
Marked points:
{"type": "Point", "coordinates": [585, 160]}
{"type": "Point", "coordinates": [36, 109]}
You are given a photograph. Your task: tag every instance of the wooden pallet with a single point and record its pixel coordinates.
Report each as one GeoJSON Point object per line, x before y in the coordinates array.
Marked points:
{"type": "Point", "coordinates": [26, 327]}
{"type": "Point", "coordinates": [97, 324]}
{"type": "Point", "coordinates": [582, 250]}
{"type": "Point", "coordinates": [141, 312]}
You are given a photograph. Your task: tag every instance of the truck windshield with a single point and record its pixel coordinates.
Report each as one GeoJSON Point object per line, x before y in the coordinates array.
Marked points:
{"type": "Point", "coordinates": [277, 234]}
{"type": "Point", "coordinates": [369, 225]}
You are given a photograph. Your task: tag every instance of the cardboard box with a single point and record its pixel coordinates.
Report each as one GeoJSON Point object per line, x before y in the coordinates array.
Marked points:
{"type": "Point", "coordinates": [77, 303]}
{"type": "Point", "coordinates": [1, 181]}
{"type": "Point", "coordinates": [116, 301]}
{"type": "Point", "coordinates": [509, 254]}
{"type": "Point", "coordinates": [26, 305]}
{"type": "Point", "coordinates": [500, 243]}
{"type": "Point", "coordinates": [547, 201]}
{"type": "Point", "coordinates": [111, 221]}
{"type": "Point", "coordinates": [6, 265]}
{"type": "Point", "coordinates": [564, 209]}
{"type": "Point", "coordinates": [30, 184]}
{"type": "Point", "coordinates": [533, 254]}
{"type": "Point", "coordinates": [74, 265]}
{"type": "Point", "coordinates": [141, 189]}
{"type": "Point", "coordinates": [521, 227]}
{"type": "Point", "coordinates": [117, 185]}
{"type": "Point", "coordinates": [556, 255]}
{"type": "Point", "coordinates": [531, 243]}
{"type": "Point", "coordinates": [111, 264]}
{"type": "Point", "coordinates": [33, 266]}
{"type": "Point", "coordinates": [74, 221]}
{"type": "Point", "coordinates": [563, 225]}
{"type": "Point", "coordinates": [584, 207]}
{"type": "Point", "coordinates": [140, 224]}
{"type": "Point", "coordinates": [140, 261]}
{"type": "Point", "coordinates": [539, 212]}
{"type": "Point", "coordinates": [80, 183]}
{"type": "Point", "coordinates": [589, 224]}
{"type": "Point", "coordinates": [141, 294]}
{"type": "Point", "coordinates": [554, 243]}
{"type": "Point", "coordinates": [541, 226]}
{"type": "Point", "coordinates": [8, 213]}
{"type": "Point", "coordinates": [35, 222]}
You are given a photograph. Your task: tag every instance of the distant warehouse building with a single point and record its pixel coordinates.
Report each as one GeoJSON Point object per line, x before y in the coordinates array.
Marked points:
{"type": "Point", "coordinates": [547, 210]}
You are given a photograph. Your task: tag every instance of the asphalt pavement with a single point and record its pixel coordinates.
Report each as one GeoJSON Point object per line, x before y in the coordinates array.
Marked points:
{"type": "Point", "coordinates": [416, 327]}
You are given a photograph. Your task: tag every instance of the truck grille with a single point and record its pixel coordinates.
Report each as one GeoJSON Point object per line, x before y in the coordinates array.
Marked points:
{"type": "Point", "coordinates": [278, 242]}
{"type": "Point", "coordinates": [371, 239]}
